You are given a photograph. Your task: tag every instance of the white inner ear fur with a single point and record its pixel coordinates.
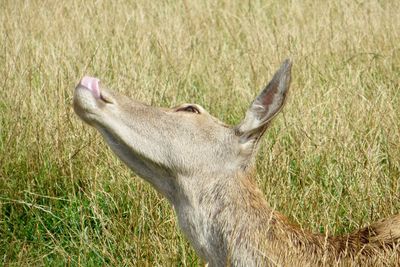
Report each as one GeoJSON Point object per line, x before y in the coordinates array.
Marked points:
{"type": "Point", "coordinates": [251, 121]}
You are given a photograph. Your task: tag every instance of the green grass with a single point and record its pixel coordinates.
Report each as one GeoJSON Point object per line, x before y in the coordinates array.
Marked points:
{"type": "Point", "coordinates": [330, 161]}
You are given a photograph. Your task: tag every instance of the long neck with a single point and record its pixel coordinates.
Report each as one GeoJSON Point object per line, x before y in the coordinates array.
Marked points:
{"type": "Point", "coordinates": [229, 222]}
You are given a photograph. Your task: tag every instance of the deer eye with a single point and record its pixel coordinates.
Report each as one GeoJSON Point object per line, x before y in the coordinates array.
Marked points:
{"type": "Point", "coordinates": [192, 109]}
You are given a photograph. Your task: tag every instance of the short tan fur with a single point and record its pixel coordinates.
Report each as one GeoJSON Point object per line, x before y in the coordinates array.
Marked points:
{"type": "Point", "coordinates": [205, 169]}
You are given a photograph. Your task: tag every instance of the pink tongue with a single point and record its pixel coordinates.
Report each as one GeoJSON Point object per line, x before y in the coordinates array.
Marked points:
{"type": "Point", "coordinates": [92, 84]}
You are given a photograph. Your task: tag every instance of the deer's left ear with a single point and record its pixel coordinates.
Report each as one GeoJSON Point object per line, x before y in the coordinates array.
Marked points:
{"type": "Point", "coordinates": [266, 105]}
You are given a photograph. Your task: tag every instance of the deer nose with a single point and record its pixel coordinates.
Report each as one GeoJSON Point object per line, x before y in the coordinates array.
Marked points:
{"type": "Point", "coordinates": [92, 84]}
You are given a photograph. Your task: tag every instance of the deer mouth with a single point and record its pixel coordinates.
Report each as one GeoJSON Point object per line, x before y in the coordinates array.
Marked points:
{"type": "Point", "coordinates": [93, 85]}
{"type": "Point", "coordinates": [90, 100]}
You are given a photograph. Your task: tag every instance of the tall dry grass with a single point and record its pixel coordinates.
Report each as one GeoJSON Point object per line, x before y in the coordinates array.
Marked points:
{"type": "Point", "coordinates": [331, 161]}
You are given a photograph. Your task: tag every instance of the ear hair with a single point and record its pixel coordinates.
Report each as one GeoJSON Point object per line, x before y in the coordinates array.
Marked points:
{"type": "Point", "coordinates": [266, 105]}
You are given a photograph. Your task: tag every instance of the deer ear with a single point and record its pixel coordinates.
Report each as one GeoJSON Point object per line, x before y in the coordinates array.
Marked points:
{"type": "Point", "coordinates": [266, 105]}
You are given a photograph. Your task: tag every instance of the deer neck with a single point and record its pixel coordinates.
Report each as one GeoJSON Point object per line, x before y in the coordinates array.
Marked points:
{"type": "Point", "coordinates": [229, 218]}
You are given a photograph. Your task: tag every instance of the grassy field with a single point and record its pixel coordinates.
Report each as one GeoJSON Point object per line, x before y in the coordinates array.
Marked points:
{"type": "Point", "coordinates": [330, 161]}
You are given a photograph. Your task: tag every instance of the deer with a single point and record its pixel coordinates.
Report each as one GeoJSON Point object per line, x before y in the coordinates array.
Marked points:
{"type": "Point", "coordinates": [205, 169]}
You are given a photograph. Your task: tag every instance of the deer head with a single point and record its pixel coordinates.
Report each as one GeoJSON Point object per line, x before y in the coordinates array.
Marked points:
{"type": "Point", "coordinates": [177, 150]}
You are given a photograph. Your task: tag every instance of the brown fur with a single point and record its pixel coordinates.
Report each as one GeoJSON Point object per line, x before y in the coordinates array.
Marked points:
{"type": "Point", "coordinates": [205, 169]}
{"type": "Point", "coordinates": [287, 243]}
